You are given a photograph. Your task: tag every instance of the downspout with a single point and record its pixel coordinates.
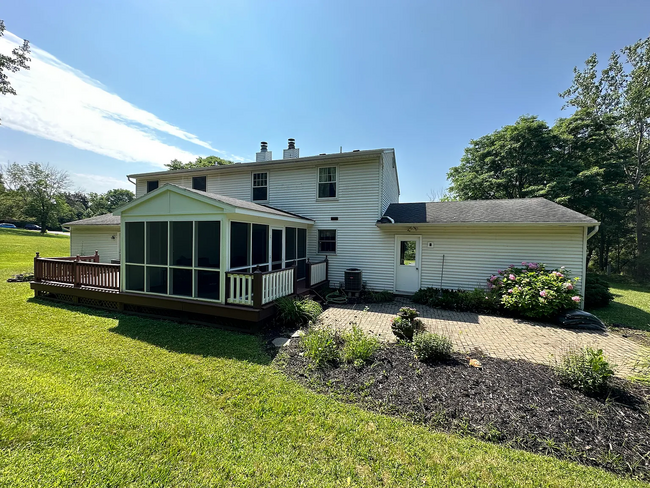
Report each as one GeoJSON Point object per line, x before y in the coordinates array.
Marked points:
{"type": "Point", "coordinates": [129, 178]}
{"type": "Point", "coordinates": [588, 235]}
{"type": "Point", "coordinates": [593, 232]}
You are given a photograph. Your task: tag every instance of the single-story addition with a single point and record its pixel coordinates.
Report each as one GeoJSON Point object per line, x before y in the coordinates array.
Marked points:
{"type": "Point", "coordinates": [226, 241]}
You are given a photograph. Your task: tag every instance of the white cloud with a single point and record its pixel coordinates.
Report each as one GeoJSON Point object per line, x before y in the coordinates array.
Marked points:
{"type": "Point", "coordinates": [60, 103]}
{"type": "Point", "coordinates": [98, 183]}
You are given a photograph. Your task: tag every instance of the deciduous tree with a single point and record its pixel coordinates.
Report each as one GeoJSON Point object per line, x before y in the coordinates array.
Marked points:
{"type": "Point", "coordinates": [41, 188]}
{"type": "Point", "coordinates": [200, 162]}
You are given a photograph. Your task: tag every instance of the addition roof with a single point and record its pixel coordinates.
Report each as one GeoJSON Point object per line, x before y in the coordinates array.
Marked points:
{"type": "Point", "coordinates": [515, 211]}
{"type": "Point", "coordinates": [110, 219]}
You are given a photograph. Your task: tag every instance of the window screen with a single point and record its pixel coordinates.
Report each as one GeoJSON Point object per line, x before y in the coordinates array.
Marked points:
{"type": "Point", "coordinates": [302, 243]}
{"type": "Point", "coordinates": [134, 278]}
{"type": "Point", "coordinates": [156, 279]}
{"type": "Point", "coordinates": [290, 238]}
{"type": "Point", "coordinates": [181, 242]}
{"type": "Point", "coordinates": [260, 245]}
{"type": "Point", "coordinates": [207, 284]}
{"type": "Point", "coordinates": [239, 242]}
{"type": "Point", "coordinates": [134, 237]}
{"type": "Point", "coordinates": [208, 244]}
{"type": "Point", "coordinates": [152, 185]}
{"type": "Point", "coordinates": [157, 243]}
{"type": "Point", "coordinates": [181, 283]}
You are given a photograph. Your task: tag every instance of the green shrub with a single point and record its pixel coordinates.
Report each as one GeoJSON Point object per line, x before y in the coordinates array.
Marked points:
{"type": "Point", "coordinates": [585, 370]}
{"type": "Point", "coordinates": [431, 347]}
{"type": "Point", "coordinates": [406, 324]}
{"type": "Point", "coordinates": [597, 294]}
{"type": "Point", "coordinates": [535, 292]}
{"type": "Point", "coordinates": [297, 312]}
{"type": "Point", "coordinates": [477, 300]}
{"type": "Point", "coordinates": [423, 295]}
{"type": "Point", "coordinates": [378, 296]}
{"type": "Point", "coordinates": [320, 345]}
{"type": "Point", "coordinates": [359, 347]}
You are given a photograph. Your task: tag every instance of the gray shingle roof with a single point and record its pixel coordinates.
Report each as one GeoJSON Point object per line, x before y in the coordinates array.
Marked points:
{"type": "Point", "coordinates": [523, 210]}
{"type": "Point", "coordinates": [235, 202]}
{"type": "Point", "coordinates": [110, 219]}
{"type": "Point", "coordinates": [106, 219]}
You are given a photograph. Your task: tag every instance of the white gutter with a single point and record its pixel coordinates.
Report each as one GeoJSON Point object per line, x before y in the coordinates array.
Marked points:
{"type": "Point", "coordinates": [593, 232]}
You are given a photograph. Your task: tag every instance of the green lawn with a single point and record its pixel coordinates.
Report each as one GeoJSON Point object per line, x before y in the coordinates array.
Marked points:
{"type": "Point", "coordinates": [89, 398]}
{"type": "Point", "coordinates": [630, 308]}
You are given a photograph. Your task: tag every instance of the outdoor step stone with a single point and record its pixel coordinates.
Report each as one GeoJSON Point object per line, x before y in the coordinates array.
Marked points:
{"type": "Point", "coordinates": [281, 341]}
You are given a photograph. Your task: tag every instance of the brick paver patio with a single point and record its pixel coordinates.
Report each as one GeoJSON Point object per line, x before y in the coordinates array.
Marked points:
{"type": "Point", "coordinates": [493, 336]}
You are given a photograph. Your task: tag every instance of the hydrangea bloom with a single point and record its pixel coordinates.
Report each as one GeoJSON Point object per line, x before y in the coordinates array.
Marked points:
{"type": "Point", "coordinates": [568, 286]}
{"type": "Point", "coordinates": [511, 277]}
{"type": "Point", "coordinates": [542, 293]}
{"type": "Point", "coordinates": [576, 299]}
{"type": "Point", "coordinates": [510, 290]}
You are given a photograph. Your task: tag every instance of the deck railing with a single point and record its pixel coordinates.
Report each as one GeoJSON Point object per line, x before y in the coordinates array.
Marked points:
{"type": "Point", "coordinates": [78, 271]}
{"type": "Point", "coordinates": [240, 288]}
{"type": "Point", "coordinates": [317, 272]}
{"type": "Point", "coordinates": [260, 287]}
{"type": "Point", "coordinates": [277, 284]}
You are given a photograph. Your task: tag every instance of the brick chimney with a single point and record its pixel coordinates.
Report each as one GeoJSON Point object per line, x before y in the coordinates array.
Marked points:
{"type": "Point", "coordinates": [292, 152]}
{"type": "Point", "coordinates": [264, 154]}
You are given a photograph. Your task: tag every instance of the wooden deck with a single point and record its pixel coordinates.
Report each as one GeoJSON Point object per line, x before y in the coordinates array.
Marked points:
{"type": "Point", "coordinates": [85, 281]}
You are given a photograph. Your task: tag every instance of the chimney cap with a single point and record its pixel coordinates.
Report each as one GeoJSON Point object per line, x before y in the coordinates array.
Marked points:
{"type": "Point", "coordinates": [292, 143]}
{"type": "Point", "coordinates": [264, 145]}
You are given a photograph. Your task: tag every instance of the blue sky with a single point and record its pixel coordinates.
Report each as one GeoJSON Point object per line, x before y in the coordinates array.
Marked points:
{"type": "Point", "coordinates": [121, 87]}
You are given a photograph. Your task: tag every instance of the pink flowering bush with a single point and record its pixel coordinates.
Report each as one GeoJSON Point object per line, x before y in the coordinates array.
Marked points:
{"type": "Point", "coordinates": [533, 291]}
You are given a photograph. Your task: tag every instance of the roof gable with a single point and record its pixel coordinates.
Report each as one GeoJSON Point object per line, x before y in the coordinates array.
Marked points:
{"type": "Point", "coordinates": [172, 199]}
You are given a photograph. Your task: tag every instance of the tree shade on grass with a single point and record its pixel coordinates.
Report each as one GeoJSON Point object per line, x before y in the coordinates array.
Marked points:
{"type": "Point", "coordinates": [630, 307]}
{"type": "Point", "coordinates": [99, 398]}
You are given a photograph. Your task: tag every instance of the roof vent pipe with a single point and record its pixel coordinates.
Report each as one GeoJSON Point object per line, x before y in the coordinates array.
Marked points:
{"type": "Point", "coordinates": [292, 152]}
{"type": "Point", "coordinates": [264, 154]}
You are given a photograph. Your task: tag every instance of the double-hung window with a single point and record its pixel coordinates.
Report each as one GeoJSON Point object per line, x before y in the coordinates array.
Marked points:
{"type": "Point", "coordinates": [260, 187]}
{"type": "Point", "coordinates": [327, 180]}
{"type": "Point", "coordinates": [326, 241]}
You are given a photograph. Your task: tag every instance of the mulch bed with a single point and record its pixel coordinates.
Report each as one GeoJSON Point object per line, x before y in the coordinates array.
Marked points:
{"type": "Point", "coordinates": [516, 403]}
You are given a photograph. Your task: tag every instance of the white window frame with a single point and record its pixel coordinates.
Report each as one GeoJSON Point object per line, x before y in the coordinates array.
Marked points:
{"type": "Point", "coordinates": [335, 241]}
{"type": "Point", "coordinates": [259, 186]}
{"type": "Point", "coordinates": [336, 183]}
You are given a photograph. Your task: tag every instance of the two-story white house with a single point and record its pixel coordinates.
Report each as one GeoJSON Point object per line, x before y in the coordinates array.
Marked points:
{"type": "Point", "coordinates": [197, 234]}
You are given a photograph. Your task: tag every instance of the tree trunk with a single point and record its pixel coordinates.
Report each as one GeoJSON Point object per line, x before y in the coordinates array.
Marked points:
{"type": "Point", "coordinates": [640, 244]}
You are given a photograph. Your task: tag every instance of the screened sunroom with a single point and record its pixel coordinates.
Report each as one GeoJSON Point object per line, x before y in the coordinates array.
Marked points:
{"type": "Point", "coordinates": [194, 245]}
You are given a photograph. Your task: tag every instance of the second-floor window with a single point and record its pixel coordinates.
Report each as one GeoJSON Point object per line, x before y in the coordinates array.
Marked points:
{"type": "Point", "coordinates": [152, 185]}
{"type": "Point", "coordinates": [260, 187]}
{"type": "Point", "coordinates": [199, 183]}
{"type": "Point", "coordinates": [327, 182]}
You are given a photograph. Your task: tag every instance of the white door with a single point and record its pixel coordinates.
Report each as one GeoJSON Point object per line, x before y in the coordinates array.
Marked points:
{"type": "Point", "coordinates": [407, 264]}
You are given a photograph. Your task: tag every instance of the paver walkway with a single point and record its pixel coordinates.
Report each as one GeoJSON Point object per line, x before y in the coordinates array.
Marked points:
{"type": "Point", "coordinates": [493, 336]}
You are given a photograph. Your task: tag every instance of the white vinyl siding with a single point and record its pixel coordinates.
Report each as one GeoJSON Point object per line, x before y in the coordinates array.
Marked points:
{"type": "Point", "coordinates": [365, 188]}
{"type": "Point", "coordinates": [85, 240]}
{"type": "Point", "coordinates": [473, 253]}
{"type": "Point", "coordinates": [389, 184]}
